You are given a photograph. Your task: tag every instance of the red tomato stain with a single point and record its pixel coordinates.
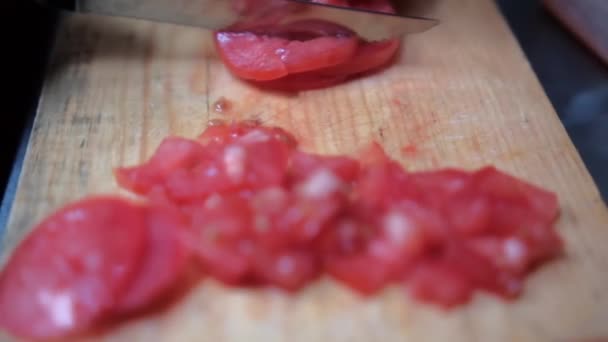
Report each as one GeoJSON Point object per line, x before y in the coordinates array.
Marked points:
{"type": "Point", "coordinates": [222, 105]}
{"type": "Point", "coordinates": [397, 102]}
{"type": "Point", "coordinates": [409, 150]}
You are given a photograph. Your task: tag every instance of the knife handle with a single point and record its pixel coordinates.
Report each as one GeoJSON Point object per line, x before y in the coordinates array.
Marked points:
{"type": "Point", "coordinates": [69, 5]}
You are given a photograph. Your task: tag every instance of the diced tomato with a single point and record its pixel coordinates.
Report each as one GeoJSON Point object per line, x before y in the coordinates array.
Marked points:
{"type": "Point", "coordinates": [173, 153]}
{"type": "Point", "coordinates": [505, 187]}
{"type": "Point", "coordinates": [70, 271]}
{"type": "Point", "coordinates": [218, 226]}
{"type": "Point", "coordinates": [349, 235]}
{"type": "Point", "coordinates": [480, 271]}
{"type": "Point", "coordinates": [303, 164]}
{"type": "Point", "coordinates": [249, 132]}
{"type": "Point", "coordinates": [164, 261]}
{"type": "Point", "coordinates": [298, 224]}
{"type": "Point", "coordinates": [288, 270]}
{"type": "Point", "coordinates": [363, 273]}
{"type": "Point", "coordinates": [440, 284]}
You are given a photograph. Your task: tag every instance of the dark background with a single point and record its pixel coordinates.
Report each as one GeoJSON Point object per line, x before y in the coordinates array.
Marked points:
{"type": "Point", "coordinates": [574, 79]}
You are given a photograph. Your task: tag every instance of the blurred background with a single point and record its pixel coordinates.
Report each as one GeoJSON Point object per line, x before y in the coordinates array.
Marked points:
{"type": "Point", "coordinates": [574, 77]}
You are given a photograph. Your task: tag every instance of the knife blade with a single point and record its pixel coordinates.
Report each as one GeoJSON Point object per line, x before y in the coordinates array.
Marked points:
{"type": "Point", "coordinates": [225, 14]}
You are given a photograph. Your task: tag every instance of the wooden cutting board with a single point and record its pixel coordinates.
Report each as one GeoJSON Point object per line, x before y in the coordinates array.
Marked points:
{"type": "Point", "coordinates": [463, 94]}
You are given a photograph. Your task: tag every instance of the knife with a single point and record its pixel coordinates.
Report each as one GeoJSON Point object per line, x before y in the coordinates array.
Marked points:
{"type": "Point", "coordinates": [225, 14]}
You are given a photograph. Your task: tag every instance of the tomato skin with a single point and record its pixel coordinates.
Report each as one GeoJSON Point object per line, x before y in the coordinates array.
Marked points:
{"type": "Point", "coordinates": [69, 272]}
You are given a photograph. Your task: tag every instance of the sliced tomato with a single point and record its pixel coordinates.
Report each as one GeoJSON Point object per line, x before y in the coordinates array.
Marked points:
{"type": "Point", "coordinates": [300, 82]}
{"type": "Point", "coordinates": [278, 51]}
{"type": "Point", "coordinates": [164, 261]}
{"type": "Point", "coordinates": [70, 271]}
{"type": "Point", "coordinates": [368, 57]}
{"type": "Point", "coordinates": [302, 55]}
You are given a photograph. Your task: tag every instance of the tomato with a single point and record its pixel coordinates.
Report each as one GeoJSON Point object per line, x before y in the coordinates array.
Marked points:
{"type": "Point", "coordinates": [165, 260]}
{"type": "Point", "coordinates": [506, 187]}
{"type": "Point", "coordinates": [219, 228]}
{"type": "Point", "coordinates": [239, 165]}
{"type": "Point", "coordinates": [300, 82]}
{"type": "Point", "coordinates": [250, 208]}
{"type": "Point", "coordinates": [362, 273]}
{"type": "Point", "coordinates": [69, 272]}
{"type": "Point", "coordinates": [303, 164]}
{"type": "Point", "coordinates": [172, 154]}
{"type": "Point", "coordinates": [302, 55]}
{"type": "Point", "coordinates": [368, 57]}
{"type": "Point", "coordinates": [278, 51]}
{"type": "Point", "coordinates": [296, 219]}
{"type": "Point", "coordinates": [440, 284]}
{"type": "Point", "coordinates": [289, 270]}
{"type": "Point", "coordinates": [223, 133]}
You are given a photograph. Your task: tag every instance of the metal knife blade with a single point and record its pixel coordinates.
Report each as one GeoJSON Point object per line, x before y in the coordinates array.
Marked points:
{"type": "Point", "coordinates": [223, 14]}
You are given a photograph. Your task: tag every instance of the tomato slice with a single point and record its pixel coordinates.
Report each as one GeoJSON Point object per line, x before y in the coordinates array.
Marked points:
{"type": "Point", "coordinates": [304, 55]}
{"type": "Point", "coordinates": [278, 51]}
{"type": "Point", "coordinates": [300, 82]}
{"type": "Point", "coordinates": [164, 260]}
{"type": "Point", "coordinates": [368, 57]}
{"type": "Point", "coordinates": [70, 271]}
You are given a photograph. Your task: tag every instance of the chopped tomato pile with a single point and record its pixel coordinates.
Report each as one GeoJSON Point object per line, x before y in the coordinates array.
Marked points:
{"type": "Point", "coordinates": [242, 204]}
{"type": "Point", "coordinates": [302, 55]}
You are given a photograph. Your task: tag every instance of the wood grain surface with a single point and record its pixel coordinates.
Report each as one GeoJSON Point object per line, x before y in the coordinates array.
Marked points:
{"type": "Point", "coordinates": [586, 19]}
{"type": "Point", "coordinates": [463, 94]}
